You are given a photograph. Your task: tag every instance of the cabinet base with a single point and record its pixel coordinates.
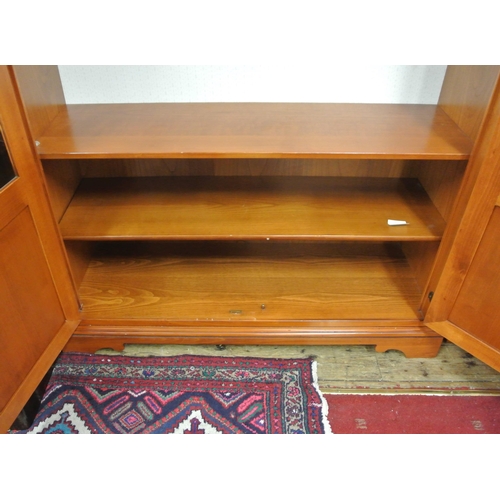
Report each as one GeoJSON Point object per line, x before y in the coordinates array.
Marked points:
{"type": "Point", "coordinates": [413, 341]}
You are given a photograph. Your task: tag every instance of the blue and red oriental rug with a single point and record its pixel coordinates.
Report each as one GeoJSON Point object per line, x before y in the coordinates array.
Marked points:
{"type": "Point", "coordinates": [98, 394]}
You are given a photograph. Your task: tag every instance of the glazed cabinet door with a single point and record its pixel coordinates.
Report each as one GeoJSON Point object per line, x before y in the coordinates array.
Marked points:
{"type": "Point", "coordinates": [465, 303]}
{"type": "Point", "coordinates": [38, 307]}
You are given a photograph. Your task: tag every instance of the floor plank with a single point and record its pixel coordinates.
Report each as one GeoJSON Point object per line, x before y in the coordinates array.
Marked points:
{"type": "Point", "coordinates": [361, 369]}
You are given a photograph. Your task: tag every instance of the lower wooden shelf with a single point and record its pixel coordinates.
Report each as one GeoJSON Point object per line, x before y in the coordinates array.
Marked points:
{"type": "Point", "coordinates": [249, 292]}
{"type": "Point", "coordinates": [250, 281]}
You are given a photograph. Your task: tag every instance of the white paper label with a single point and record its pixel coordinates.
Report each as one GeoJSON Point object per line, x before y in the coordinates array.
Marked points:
{"type": "Point", "coordinates": [392, 222]}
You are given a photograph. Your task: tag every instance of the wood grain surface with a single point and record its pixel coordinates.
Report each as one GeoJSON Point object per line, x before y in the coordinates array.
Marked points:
{"type": "Point", "coordinates": [248, 280]}
{"type": "Point", "coordinates": [253, 130]}
{"type": "Point", "coordinates": [251, 208]}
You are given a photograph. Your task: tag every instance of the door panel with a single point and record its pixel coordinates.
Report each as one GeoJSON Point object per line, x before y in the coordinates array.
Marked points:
{"type": "Point", "coordinates": [474, 320]}
{"type": "Point", "coordinates": [477, 309]}
{"type": "Point", "coordinates": [38, 311]}
{"type": "Point", "coordinates": [30, 311]}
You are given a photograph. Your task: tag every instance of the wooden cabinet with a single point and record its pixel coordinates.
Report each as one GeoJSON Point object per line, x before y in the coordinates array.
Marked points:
{"type": "Point", "coordinates": [269, 223]}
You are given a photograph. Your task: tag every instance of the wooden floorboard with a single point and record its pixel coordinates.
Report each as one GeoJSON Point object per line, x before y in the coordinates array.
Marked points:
{"type": "Point", "coordinates": [361, 369]}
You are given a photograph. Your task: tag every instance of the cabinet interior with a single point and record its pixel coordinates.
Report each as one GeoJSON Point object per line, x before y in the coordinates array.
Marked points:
{"type": "Point", "coordinates": [255, 214]}
{"type": "Point", "coordinates": [226, 239]}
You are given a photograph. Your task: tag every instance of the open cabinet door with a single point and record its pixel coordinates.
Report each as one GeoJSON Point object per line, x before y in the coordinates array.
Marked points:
{"type": "Point", "coordinates": [465, 305]}
{"type": "Point", "coordinates": [38, 304]}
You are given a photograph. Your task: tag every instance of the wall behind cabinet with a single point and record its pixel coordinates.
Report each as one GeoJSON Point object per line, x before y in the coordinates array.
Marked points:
{"type": "Point", "coordinates": [328, 83]}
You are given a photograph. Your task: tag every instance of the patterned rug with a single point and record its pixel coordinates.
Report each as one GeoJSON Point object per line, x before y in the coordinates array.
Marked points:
{"type": "Point", "coordinates": [96, 394]}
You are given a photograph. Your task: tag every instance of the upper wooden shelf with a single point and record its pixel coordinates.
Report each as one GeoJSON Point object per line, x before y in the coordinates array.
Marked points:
{"type": "Point", "coordinates": [250, 130]}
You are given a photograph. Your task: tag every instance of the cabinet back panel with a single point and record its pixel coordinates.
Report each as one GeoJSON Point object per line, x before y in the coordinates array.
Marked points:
{"type": "Point", "coordinates": [225, 167]}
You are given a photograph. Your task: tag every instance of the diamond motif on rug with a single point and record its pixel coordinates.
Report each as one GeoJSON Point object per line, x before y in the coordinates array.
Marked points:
{"type": "Point", "coordinates": [64, 420]}
{"type": "Point", "coordinates": [195, 424]}
{"type": "Point", "coordinates": [98, 394]}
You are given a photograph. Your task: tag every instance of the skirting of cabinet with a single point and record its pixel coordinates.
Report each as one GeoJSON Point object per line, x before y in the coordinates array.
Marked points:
{"type": "Point", "coordinates": [414, 339]}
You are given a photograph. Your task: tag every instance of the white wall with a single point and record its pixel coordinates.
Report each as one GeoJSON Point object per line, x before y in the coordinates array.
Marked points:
{"type": "Point", "coordinates": [376, 84]}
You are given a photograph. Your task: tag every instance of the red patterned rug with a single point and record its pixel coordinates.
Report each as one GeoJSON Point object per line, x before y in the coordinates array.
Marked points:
{"type": "Point", "coordinates": [96, 394]}
{"type": "Point", "coordinates": [413, 414]}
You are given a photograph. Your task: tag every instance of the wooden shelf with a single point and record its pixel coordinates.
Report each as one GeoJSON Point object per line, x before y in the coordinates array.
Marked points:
{"type": "Point", "coordinates": [248, 281]}
{"type": "Point", "coordinates": [309, 208]}
{"type": "Point", "coordinates": [253, 130]}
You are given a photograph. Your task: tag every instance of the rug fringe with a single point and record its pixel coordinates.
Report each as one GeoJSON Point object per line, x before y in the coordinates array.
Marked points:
{"type": "Point", "coordinates": [324, 402]}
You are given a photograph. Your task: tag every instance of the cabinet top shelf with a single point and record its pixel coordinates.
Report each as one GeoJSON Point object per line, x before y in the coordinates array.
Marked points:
{"type": "Point", "coordinates": [253, 130]}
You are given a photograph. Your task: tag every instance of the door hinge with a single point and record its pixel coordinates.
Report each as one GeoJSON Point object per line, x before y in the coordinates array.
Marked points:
{"type": "Point", "coordinates": [431, 294]}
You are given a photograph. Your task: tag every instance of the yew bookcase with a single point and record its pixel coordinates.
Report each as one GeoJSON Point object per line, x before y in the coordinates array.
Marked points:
{"type": "Point", "coordinates": [253, 223]}
{"type": "Point", "coordinates": [246, 223]}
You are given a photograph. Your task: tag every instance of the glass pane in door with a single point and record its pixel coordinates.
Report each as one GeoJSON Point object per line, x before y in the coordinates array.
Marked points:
{"type": "Point", "coordinates": [6, 168]}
